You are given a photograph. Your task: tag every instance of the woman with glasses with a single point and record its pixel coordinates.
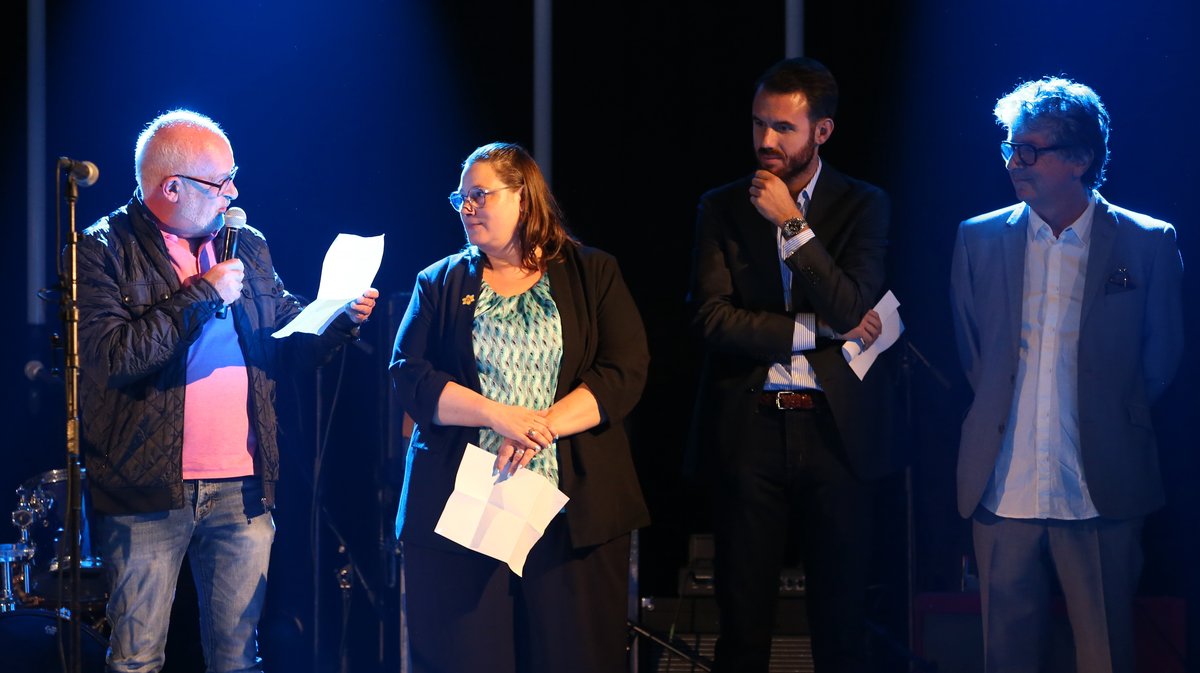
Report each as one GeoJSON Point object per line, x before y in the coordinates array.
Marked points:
{"type": "Point", "coordinates": [528, 345]}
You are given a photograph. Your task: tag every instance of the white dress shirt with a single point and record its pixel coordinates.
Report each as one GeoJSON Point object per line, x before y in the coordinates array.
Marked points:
{"type": "Point", "coordinates": [1038, 474]}
{"type": "Point", "coordinates": [798, 372]}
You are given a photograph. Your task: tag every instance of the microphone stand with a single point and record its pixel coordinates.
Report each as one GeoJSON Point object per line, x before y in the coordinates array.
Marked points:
{"type": "Point", "coordinates": [70, 318]}
{"type": "Point", "coordinates": [910, 355]}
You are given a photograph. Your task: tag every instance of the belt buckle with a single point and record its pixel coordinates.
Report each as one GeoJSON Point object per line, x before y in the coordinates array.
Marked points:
{"type": "Point", "coordinates": [779, 399]}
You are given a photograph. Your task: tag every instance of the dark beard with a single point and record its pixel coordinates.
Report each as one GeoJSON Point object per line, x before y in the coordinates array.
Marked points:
{"type": "Point", "coordinates": [794, 166]}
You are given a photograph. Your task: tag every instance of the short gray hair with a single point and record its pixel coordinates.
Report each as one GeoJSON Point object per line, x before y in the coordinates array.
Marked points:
{"type": "Point", "coordinates": [154, 160]}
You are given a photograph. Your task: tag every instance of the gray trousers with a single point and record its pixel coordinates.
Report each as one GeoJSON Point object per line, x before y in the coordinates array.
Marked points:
{"type": "Point", "coordinates": [1097, 563]}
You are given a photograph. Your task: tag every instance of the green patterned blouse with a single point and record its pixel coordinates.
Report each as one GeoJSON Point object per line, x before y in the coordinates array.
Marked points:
{"type": "Point", "coordinates": [518, 350]}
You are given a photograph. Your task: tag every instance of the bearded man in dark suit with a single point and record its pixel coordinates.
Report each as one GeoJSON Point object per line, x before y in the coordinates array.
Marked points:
{"type": "Point", "coordinates": [788, 263]}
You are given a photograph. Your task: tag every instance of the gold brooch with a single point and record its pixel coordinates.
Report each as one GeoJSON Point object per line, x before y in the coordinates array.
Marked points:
{"type": "Point", "coordinates": [469, 299]}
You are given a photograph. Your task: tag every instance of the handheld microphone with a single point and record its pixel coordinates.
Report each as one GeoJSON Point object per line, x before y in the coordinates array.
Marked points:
{"type": "Point", "coordinates": [85, 173]}
{"type": "Point", "coordinates": [235, 219]}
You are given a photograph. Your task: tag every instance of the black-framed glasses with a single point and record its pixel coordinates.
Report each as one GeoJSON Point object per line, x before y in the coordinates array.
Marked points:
{"type": "Point", "coordinates": [219, 185]}
{"type": "Point", "coordinates": [1027, 154]}
{"type": "Point", "coordinates": [476, 195]}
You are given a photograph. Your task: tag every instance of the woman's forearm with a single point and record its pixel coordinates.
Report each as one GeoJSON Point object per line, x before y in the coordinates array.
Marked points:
{"type": "Point", "coordinates": [574, 413]}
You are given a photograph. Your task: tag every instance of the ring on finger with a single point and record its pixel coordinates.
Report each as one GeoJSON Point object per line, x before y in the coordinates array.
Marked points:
{"type": "Point", "coordinates": [530, 433]}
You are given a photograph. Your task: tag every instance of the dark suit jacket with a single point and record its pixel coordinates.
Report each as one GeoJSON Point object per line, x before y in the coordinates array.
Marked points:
{"type": "Point", "coordinates": [738, 304]}
{"type": "Point", "coordinates": [604, 346]}
{"type": "Point", "coordinates": [1130, 344]}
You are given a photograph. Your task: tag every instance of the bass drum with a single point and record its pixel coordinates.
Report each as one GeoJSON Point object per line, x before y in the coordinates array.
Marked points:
{"type": "Point", "coordinates": [29, 643]}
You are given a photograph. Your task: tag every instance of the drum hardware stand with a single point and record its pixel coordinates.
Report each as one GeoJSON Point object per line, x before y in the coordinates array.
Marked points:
{"type": "Point", "coordinates": [31, 508]}
{"type": "Point", "coordinates": [69, 284]}
{"type": "Point", "coordinates": [21, 553]}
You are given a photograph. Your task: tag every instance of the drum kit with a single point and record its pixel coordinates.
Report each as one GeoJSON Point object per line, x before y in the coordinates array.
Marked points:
{"type": "Point", "coordinates": [35, 596]}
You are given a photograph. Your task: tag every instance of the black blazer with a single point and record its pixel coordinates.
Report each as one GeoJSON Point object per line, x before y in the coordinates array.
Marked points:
{"type": "Point", "coordinates": [737, 299]}
{"type": "Point", "coordinates": [136, 324]}
{"type": "Point", "coordinates": [604, 346]}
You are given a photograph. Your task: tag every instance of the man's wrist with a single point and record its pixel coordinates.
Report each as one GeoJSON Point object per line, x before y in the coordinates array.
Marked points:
{"type": "Point", "coordinates": [793, 226]}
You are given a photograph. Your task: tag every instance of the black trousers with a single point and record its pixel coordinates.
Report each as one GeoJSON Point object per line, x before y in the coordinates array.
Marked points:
{"type": "Point", "coordinates": [790, 474]}
{"type": "Point", "coordinates": [467, 612]}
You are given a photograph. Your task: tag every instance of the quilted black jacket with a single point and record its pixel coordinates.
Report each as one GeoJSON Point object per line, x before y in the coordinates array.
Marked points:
{"type": "Point", "coordinates": [136, 322]}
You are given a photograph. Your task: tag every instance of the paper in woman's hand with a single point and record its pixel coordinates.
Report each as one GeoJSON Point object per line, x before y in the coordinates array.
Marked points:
{"type": "Point", "coordinates": [501, 516]}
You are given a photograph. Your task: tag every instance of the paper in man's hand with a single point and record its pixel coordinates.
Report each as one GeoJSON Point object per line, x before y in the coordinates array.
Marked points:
{"type": "Point", "coordinates": [349, 270]}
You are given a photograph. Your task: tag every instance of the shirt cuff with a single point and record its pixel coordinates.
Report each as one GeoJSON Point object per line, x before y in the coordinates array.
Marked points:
{"type": "Point", "coordinates": [791, 245]}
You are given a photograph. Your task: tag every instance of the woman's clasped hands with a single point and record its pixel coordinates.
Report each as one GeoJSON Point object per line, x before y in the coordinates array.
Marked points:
{"type": "Point", "coordinates": [525, 432]}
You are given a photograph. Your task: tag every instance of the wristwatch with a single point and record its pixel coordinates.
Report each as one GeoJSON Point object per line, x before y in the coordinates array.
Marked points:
{"type": "Point", "coordinates": [793, 226]}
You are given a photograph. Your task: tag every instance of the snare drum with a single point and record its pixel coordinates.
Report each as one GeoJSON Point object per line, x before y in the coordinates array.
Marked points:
{"type": "Point", "coordinates": [49, 490]}
{"type": "Point", "coordinates": [29, 641]}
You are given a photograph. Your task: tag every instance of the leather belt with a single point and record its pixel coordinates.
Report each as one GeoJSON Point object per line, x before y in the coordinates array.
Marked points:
{"type": "Point", "coordinates": [791, 400]}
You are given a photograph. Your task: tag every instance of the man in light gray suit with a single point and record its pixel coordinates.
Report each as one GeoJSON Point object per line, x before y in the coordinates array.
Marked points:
{"type": "Point", "coordinates": [1068, 319]}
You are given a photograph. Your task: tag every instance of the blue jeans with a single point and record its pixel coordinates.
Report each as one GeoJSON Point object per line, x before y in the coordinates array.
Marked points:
{"type": "Point", "coordinates": [227, 536]}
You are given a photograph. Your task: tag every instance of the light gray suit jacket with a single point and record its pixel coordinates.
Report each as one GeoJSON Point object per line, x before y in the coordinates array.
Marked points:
{"type": "Point", "coordinates": [1130, 344]}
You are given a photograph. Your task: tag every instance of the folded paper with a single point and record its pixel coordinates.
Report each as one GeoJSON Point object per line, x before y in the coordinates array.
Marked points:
{"type": "Point", "coordinates": [498, 515]}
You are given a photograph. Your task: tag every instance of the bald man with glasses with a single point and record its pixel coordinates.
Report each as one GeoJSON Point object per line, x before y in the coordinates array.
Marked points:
{"type": "Point", "coordinates": [177, 382]}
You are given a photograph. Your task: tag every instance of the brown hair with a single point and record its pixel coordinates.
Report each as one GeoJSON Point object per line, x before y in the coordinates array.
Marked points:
{"type": "Point", "coordinates": [541, 231]}
{"type": "Point", "coordinates": [807, 76]}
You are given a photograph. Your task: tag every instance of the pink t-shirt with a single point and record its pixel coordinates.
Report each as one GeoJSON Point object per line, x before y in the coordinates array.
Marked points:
{"type": "Point", "coordinates": [218, 440]}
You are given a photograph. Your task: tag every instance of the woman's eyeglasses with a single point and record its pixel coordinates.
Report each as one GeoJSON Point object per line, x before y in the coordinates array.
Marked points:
{"type": "Point", "coordinates": [476, 195]}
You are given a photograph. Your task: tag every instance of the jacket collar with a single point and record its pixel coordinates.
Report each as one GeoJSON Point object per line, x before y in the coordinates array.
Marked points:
{"type": "Point", "coordinates": [1103, 235]}
{"type": "Point", "coordinates": [146, 233]}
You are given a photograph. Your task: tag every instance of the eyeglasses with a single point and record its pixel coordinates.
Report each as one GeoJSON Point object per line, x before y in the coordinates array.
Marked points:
{"type": "Point", "coordinates": [219, 185]}
{"type": "Point", "coordinates": [476, 195]}
{"type": "Point", "coordinates": [1027, 154]}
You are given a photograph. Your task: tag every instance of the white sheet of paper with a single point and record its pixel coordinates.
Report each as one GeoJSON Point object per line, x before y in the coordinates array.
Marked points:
{"type": "Point", "coordinates": [861, 360]}
{"type": "Point", "coordinates": [498, 515]}
{"type": "Point", "coordinates": [349, 269]}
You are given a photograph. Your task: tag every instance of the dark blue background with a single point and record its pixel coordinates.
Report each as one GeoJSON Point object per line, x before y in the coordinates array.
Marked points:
{"type": "Point", "coordinates": [354, 118]}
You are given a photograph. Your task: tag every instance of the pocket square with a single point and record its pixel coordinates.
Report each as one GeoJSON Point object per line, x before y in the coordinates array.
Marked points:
{"type": "Point", "coordinates": [1119, 281]}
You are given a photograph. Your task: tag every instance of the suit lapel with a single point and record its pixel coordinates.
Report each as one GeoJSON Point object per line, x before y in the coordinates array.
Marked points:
{"type": "Point", "coordinates": [759, 235]}
{"type": "Point", "coordinates": [461, 305]}
{"type": "Point", "coordinates": [572, 307]}
{"type": "Point", "coordinates": [1015, 233]}
{"type": "Point", "coordinates": [824, 200]}
{"type": "Point", "coordinates": [1104, 234]}
{"type": "Point", "coordinates": [760, 250]}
